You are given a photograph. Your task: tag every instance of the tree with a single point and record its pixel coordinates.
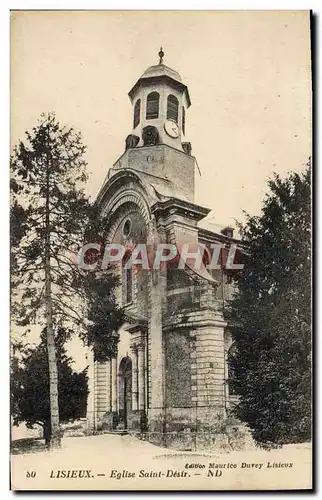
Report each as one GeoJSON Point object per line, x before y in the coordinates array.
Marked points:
{"type": "Point", "coordinates": [50, 217]}
{"type": "Point", "coordinates": [104, 316]}
{"type": "Point", "coordinates": [30, 401]}
{"type": "Point", "coordinates": [47, 171]}
{"type": "Point", "coordinates": [270, 317]}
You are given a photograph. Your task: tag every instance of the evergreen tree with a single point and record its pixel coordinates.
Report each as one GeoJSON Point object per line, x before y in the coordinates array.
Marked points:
{"type": "Point", "coordinates": [30, 399]}
{"type": "Point", "coordinates": [270, 317]}
{"type": "Point", "coordinates": [48, 212]}
{"type": "Point", "coordinates": [104, 315]}
{"type": "Point", "coordinates": [50, 217]}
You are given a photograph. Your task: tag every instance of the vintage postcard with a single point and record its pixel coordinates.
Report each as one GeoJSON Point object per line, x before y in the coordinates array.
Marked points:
{"type": "Point", "coordinates": [160, 182]}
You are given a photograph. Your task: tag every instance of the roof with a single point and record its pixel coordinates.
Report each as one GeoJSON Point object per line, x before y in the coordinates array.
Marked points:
{"type": "Point", "coordinates": [209, 224]}
{"type": "Point", "coordinates": [161, 70]}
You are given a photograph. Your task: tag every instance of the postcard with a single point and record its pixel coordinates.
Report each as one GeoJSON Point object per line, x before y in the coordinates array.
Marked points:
{"type": "Point", "coordinates": [160, 182]}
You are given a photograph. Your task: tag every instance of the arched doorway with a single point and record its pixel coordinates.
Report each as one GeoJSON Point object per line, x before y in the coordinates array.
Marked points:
{"type": "Point", "coordinates": [125, 390]}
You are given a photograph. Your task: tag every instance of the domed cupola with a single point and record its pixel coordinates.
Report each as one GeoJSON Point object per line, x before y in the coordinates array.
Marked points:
{"type": "Point", "coordinates": [160, 100]}
{"type": "Point", "coordinates": [161, 70]}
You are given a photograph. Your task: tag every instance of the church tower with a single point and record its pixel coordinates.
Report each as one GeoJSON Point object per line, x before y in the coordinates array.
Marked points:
{"type": "Point", "coordinates": [160, 102]}
{"type": "Point", "coordinates": [169, 371]}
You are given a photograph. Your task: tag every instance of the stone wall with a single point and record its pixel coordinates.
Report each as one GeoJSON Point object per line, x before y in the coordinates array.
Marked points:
{"type": "Point", "coordinates": [101, 389]}
{"type": "Point", "coordinates": [164, 162]}
{"type": "Point", "coordinates": [177, 369]}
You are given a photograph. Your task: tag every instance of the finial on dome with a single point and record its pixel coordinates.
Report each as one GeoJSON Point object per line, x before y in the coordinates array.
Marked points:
{"type": "Point", "coordinates": [161, 55]}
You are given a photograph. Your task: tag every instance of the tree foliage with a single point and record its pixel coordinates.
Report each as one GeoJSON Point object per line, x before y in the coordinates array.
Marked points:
{"type": "Point", "coordinates": [72, 221]}
{"type": "Point", "coordinates": [270, 317]}
{"type": "Point", "coordinates": [30, 400]}
{"type": "Point", "coordinates": [50, 163]}
{"type": "Point", "coordinates": [50, 217]}
{"type": "Point", "coordinates": [104, 315]}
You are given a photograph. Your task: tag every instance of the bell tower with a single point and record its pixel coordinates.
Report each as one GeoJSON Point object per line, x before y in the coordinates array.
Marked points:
{"type": "Point", "coordinates": [157, 145]}
{"type": "Point", "coordinates": [160, 100]}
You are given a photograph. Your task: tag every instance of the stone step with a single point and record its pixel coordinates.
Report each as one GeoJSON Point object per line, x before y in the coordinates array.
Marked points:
{"type": "Point", "coordinates": [118, 432]}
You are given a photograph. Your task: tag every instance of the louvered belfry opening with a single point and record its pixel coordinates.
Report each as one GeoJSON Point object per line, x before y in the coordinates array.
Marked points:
{"type": "Point", "coordinates": [183, 120]}
{"type": "Point", "coordinates": [152, 106]}
{"type": "Point", "coordinates": [137, 112]}
{"type": "Point", "coordinates": [172, 108]}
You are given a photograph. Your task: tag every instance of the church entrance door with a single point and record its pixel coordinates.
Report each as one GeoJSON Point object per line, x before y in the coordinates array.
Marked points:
{"type": "Point", "coordinates": [125, 393]}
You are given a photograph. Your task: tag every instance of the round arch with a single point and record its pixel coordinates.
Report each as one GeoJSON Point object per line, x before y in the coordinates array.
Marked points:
{"type": "Point", "coordinates": [123, 192]}
{"type": "Point", "coordinates": [125, 390]}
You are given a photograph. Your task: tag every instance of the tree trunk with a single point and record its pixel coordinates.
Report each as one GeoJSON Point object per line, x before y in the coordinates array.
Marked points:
{"type": "Point", "coordinates": [47, 432]}
{"type": "Point", "coordinates": [51, 349]}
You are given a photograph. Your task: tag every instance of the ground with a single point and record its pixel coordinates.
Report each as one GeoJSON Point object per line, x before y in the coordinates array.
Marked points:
{"type": "Point", "coordinates": [115, 462]}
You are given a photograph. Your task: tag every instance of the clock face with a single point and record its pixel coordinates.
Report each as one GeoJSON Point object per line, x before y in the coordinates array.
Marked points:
{"type": "Point", "coordinates": [171, 128]}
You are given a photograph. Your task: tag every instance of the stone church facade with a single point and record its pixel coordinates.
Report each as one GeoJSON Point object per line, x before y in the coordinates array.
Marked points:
{"type": "Point", "coordinates": [171, 368]}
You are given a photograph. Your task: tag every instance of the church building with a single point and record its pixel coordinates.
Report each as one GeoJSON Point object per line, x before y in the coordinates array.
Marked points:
{"type": "Point", "coordinates": [170, 372]}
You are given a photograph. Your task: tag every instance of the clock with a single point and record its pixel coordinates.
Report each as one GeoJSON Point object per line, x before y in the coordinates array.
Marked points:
{"type": "Point", "coordinates": [171, 128]}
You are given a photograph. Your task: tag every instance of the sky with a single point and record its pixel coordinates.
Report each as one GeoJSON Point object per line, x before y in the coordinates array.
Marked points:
{"type": "Point", "coordinates": [248, 74]}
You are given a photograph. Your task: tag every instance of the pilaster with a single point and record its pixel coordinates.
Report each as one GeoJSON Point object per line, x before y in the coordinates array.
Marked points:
{"type": "Point", "coordinates": [90, 415]}
{"type": "Point", "coordinates": [114, 385]}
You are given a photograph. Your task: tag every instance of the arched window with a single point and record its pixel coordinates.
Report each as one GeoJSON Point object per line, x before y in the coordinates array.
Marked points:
{"type": "Point", "coordinates": [172, 108]}
{"type": "Point", "coordinates": [127, 280]}
{"type": "Point", "coordinates": [127, 286]}
{"type": "Point", "coordinates": [183, 120]}
{"type": "Point", "coordinates": [137, 111]}
{"type": "Point", "coordinates": [152, 106]}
